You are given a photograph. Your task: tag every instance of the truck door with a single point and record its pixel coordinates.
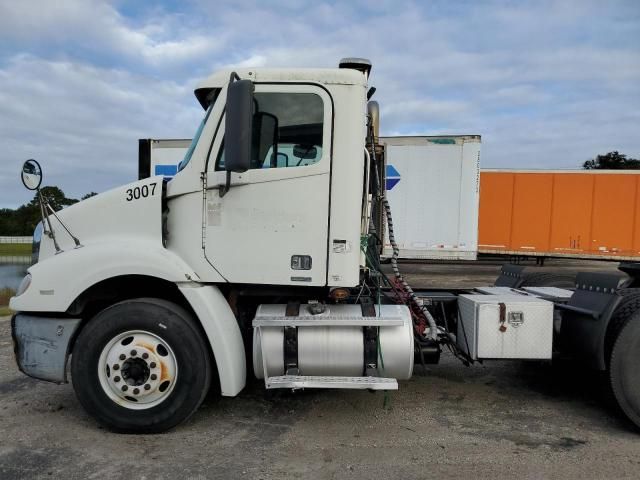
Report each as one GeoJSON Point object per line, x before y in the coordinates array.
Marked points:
{"type": "Point", "coordinates": [271, 227]}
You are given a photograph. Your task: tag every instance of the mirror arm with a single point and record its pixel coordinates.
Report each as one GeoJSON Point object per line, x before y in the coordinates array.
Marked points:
{"type": "Point", "coordinates": [46, 221]}
{"type": "Point", "coordinates": [225, 188]}
{"type": "Point", "coordinates": [75, 240]}
{"type": "Point", "coordinates": [43, 216]}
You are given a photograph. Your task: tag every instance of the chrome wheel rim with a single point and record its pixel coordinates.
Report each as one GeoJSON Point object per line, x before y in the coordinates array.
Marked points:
{"type": "Point", "coordinates": [137, 369]}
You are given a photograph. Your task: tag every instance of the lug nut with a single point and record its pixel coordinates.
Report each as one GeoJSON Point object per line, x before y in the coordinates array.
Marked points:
{"type": "Point", "coordinates": [136, 391]}
{"type": "Point", "coordinates": [133, 353]}
{"type": "Point", "coordinates": [152, 365]}
{"type": "Point", "coordinates": [145, 355]}
{"type": "Point", "coordinates": [153, 376]}
{"type": "Point", "coordinates": [125, 388]}
{"type": "Point", "coordinates": [122, 356]}
{"type": "Point", "coordinates": [116, 367]}
{"type": "Point", "coordinates": [116, 379]}
{"type": "Point", "coordinates": [147, 387]}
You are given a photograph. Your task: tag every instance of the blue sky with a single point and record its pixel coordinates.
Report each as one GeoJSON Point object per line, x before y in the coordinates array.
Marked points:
{"type": "Point", "coordinates": [547, 84]}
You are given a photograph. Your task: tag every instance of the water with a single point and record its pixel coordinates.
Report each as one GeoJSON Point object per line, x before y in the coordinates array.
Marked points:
{"type": "Point", "coordinates": [11, 274]}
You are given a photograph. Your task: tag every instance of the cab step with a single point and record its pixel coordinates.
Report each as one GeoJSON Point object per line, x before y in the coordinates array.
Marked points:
{"type": "Point", "coordinates": [332, 316]}
{"type": "Point", "coordinates": [305, 381]}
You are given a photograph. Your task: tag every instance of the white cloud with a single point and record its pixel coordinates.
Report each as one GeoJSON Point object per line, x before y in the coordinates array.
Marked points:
{"type": "Point", "coordinates": [547, 84]}
{"type": "Point", "coordinates": [82, 123]}
{"type": "Point", "coordinates": [98, 27]}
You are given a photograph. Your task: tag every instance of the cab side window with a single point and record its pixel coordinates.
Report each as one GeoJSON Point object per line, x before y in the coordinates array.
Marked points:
{"type": "Point", "coordinates": [287, 131]}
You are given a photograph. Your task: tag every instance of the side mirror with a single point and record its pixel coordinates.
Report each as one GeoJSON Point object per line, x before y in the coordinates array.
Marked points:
{"type": "Point", "coordinates": [238, 126]}
{"type": "Point", "coordinates": [31, 174]}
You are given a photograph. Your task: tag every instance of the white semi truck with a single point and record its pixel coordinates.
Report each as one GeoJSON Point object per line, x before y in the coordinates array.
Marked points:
{"type": "Point", "coordinates": [261, 257]}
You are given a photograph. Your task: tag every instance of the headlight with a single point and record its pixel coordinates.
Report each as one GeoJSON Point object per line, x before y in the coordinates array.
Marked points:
{"type": "Point", "coordinates": [24, 284]}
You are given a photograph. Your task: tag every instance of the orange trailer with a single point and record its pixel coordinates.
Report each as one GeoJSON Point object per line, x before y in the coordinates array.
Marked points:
{"type": "Point", "coordinates": [580, 214]}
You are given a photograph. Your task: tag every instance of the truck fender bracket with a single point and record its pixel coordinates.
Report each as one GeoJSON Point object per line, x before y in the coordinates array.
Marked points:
{"type": "Point", "coordinates": [42, 344]}
{"type": "Point", "coordinates": [583, 311]}
{"type": "Point", "coordinates": [586, 317]}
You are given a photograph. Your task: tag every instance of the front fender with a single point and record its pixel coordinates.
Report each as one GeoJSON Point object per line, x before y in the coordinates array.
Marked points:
{"type": "Point", "coordinates": [60, 279]}
{"type": "Point", "coordinates": [220, 325]}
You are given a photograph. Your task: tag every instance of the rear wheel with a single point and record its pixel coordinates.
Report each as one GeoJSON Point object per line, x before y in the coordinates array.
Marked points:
{"type": "Point", "coordinates": [141, 366]}
{"type": "Point", "coordinates": [624, 373]}
{"type": "Point", "coordinates": [629, 304]}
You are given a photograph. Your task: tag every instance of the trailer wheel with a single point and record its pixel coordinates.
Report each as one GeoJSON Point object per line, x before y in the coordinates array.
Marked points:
{"type": "Point", "coordinates": [541, 279]}
{"type": "Point", "coordinates": [141, 366]}
{"type": "Point", "coordinates": [624, 374]}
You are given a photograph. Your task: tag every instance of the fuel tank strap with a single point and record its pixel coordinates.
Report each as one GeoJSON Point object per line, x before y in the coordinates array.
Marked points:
{"type": "Point", "coordinates": [370, 337]}
{"type": "Point", "coordinates": [291, 350]}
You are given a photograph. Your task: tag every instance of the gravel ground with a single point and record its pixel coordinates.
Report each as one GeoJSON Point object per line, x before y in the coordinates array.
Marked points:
{"type": "Point", "coordinates": [497, 420]}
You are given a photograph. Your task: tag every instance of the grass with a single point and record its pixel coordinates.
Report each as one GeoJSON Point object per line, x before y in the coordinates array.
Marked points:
{"type": "Point", "coordinates": [5, 295]}
{"type": "Point", "coordinates": [10, 249]}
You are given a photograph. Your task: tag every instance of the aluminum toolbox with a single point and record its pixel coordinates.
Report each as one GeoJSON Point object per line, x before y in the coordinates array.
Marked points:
{"type": "Point", "coordinates": [505, 326]}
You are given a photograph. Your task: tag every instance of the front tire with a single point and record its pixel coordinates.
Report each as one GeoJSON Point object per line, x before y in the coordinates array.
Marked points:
{"type": "Point", "coordinates": [141, 366]}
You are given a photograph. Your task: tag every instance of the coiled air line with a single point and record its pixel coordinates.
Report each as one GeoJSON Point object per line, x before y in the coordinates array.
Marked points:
{"type": "Point", "coordinates": [433, 329]}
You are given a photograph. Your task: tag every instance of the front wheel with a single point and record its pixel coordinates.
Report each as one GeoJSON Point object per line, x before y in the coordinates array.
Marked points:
{"type": "Point", "coordinates": [141, 366]}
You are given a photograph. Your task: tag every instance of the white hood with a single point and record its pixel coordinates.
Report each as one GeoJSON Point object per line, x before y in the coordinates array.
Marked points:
{"type": "Point", "coordinates": [132, 212]}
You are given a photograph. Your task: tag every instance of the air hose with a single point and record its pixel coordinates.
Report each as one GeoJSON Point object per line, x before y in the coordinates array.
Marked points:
{"type": "Point", "coordinates": [433, 329]}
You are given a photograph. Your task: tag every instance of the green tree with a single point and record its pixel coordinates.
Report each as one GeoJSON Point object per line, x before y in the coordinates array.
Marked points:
{"type": "Point", "coordinates": [55, 197]}
{"type": "Point", "coordinates": [612, 161]}
{"type": "Point", "coordinates": [23, 220]}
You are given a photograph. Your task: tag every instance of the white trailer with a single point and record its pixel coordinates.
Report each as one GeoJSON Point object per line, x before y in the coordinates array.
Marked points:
{"type": "Point", "coordinates": [433, 185]}
{"type": "Point", "coordinates": [160, 156]}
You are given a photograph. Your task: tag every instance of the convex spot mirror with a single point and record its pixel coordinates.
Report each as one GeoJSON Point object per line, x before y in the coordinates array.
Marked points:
{"type": "Point", "coordinates": [31, 174]}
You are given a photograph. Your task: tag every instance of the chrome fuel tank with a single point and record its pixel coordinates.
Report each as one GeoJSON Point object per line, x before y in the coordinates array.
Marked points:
{"type": "Point", "coordinates": [332, 343]}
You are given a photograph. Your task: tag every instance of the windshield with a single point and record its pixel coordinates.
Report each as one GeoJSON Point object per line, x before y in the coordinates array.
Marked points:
{"type": "Point", "coordinates": [187, 156]}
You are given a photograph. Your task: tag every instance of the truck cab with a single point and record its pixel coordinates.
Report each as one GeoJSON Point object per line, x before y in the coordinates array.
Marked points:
{"type": "Point", "coordinates": [293, 216]}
